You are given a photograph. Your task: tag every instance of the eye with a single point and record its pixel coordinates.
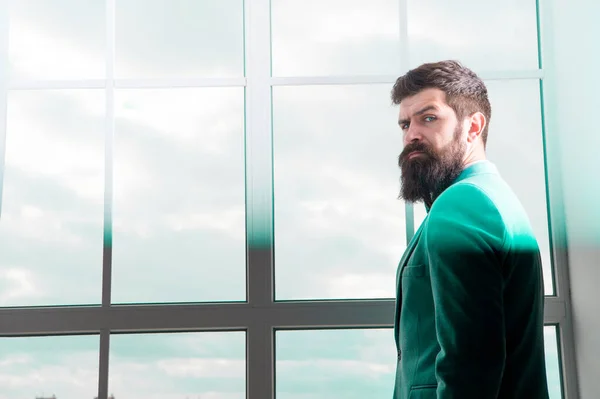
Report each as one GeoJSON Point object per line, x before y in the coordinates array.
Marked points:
{"type": "Point", "coordinates": [404, 126]}
{"type": "Point", "coordinates": [429, 118]}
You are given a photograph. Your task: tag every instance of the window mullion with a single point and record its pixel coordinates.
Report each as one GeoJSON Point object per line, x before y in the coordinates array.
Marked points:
{"type": "Point", "coordinates": [4, 28]}
{"type": "Point", "coordinates": [103, 366]}
{"type": "Point", "coordinates": [259, 197]}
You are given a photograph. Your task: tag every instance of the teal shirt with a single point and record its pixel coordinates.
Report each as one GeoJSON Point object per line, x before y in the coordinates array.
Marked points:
{"type": "Point", "coordinates": [470, 299]}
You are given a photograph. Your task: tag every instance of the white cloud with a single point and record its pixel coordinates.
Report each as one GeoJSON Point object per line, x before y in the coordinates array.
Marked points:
{"type": "Point", "coordinates": [18, 284]}
{"type": "Point", "coordinates": [179, 38]}
{"type": "Point", "coordinates": [69, 374]}
{"type": "Point", "coordinates": [336, 21]}
{"type": "Point", "coordinates": [13, 360]}
{"type": "Point", "coordinates": [205, 368]}
{"type": "Point", "coordinates": [203, 118]}
{"type": "Point", "coordinates": [30, 222]}
{"type": "Point", "coordinates": [332, 368]}
{"type": "Point", "coordinates": [176, 365]}
{"type": "Point", "coordinates": [71, 157]}
{"type": "Point", "coordinates": [53, 197]}
{"type": "Point", "coordinates": [336, 183]}
{"type": "Point", "coordinates": [334, 36]}
{"type": "Point", "coordinates": [174, 378]}
{"type": "Point", "coordinates": [229, 221]}
{"type": "Point", "coordinates": [487, 36]}
{"type": "Point", "coordinates": [166, 142]}
{"type": "Point", "coordinates": [35, 53]}
{"type": "Point", "coordinates": [369, 284]}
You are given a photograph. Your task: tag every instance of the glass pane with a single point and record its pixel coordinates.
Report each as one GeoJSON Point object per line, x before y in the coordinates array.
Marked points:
{"type": "Point", "coordinates": [57, 39]}
{"type": "Point", "coordinates": [339, 227]}
{"type": "Point", "coordinates": [179, 38]}
{"type": "Point", "coordinates": [553, 369]}
{"type": "Point", "coordinates": [357, 364]}
{"type": "Point", "coordinates": [420, 213]}
{"type": "Point", "coordinates": [335, 37]}
{"type": "Point", "coordinates": [208, 365]}
{"type": "Point", "coordinates": [52, 206]}
{"type": "Point", "coordinates": [492, 35]}
{"type": "Point", "coordinates": [334, 364]}
{"type": "Point", "coordinates": [515, 145]}
{"type": "Point", "coordinates": [63, 367]}
{"type": "Point", "coordinates": [179, 214]}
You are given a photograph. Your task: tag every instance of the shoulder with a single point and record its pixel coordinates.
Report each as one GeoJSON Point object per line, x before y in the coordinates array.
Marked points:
{"type": "Point", "coordinates": [466, 208]}
{"type": "Point", "coordinates": [465, 198]}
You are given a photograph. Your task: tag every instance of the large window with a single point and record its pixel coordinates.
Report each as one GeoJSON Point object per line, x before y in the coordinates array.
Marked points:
{"type": "Point", "coordinates": [198, 198]}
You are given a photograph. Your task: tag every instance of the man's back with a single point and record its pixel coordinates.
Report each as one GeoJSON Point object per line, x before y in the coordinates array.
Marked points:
{"type": "Point", "coordinates": [469, 322]}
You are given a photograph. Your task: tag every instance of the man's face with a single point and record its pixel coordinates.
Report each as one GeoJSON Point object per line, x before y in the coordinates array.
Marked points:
{"type": "Point", "coordinates": [434, 146]}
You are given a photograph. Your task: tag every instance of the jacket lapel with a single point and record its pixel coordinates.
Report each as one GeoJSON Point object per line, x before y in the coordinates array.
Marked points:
{"type": "Point", "coordinates": [410, 249]}
{"type": "Point", "coordinates": [401, 266]}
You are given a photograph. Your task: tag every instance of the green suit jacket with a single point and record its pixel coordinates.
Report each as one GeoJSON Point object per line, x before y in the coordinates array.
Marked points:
{"type": "Point", "coordinates": [470, 299]}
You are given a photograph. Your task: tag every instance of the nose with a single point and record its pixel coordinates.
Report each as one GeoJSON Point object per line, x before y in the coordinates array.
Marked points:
{"type": "Point", "coordinates": [412, 135]}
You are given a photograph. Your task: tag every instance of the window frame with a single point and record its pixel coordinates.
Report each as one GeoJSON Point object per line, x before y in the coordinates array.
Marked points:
{"type": "Point", "coordinates": [260, 316]}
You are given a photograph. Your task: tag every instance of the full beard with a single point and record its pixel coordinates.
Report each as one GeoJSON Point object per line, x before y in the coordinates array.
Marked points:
{"type": "Point", "coordinates": [425, 176]}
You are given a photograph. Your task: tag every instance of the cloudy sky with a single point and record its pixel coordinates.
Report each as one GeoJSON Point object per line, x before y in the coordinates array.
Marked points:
{"type": "Point", "coordinates": [349, 364]}
{"type": "Point", "coordinates": [178, 213]}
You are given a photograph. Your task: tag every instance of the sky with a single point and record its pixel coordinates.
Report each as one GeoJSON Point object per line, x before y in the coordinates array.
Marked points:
{"type": "Point", "coordinates": [350, 364]}
{"type": "Point", "coordinates": [179, 180]}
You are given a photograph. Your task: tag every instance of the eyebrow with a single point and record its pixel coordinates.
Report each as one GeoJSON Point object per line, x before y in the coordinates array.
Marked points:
{"type": "Point", "coordinates": [419, 112]}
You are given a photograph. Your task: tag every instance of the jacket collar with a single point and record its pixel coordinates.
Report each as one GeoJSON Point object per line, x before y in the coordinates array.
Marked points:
{"type": "Point", "coordinates": [475, 168]}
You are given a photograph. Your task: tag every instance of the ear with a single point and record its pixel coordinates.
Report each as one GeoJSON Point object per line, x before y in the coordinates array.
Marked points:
{"type": "Point", "coordinates": [476, 124]}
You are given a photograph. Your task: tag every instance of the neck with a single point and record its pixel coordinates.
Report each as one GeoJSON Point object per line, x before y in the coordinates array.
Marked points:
{"type": "Point", "coordinates": [467, 164]}
{"type": "Point", "coordinates": [475, 156]}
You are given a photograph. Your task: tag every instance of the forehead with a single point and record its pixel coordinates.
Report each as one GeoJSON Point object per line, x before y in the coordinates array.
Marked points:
{"type": "Point", "coordinates": [425, 98]}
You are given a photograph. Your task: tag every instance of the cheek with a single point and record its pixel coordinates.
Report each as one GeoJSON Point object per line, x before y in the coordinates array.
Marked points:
{"type": "Point", "coordinates": [442, 145]}
{"type": "Point", "coordinates": [453, 137]}
{"type": "Point", "coordinates": [437, 142]}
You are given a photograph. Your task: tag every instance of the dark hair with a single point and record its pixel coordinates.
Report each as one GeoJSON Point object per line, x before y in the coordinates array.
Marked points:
{"type": "Point", "coordinates": [465, 91]}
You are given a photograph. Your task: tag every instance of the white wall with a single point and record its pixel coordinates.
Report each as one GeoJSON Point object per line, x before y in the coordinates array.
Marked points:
{"type": "Point", "coordinates": [571, 60]}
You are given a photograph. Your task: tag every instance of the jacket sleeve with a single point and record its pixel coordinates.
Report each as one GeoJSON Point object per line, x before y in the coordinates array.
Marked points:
{"type": "Point", "coordinates": [465, 242]}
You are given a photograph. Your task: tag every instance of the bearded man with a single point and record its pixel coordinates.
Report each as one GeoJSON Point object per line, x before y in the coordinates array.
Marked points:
{"type": "Point", "coordinates": [470, 300]}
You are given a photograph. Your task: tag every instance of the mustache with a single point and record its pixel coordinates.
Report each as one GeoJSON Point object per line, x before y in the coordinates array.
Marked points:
{"type": "Point", "coordinates": [412, 147]}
